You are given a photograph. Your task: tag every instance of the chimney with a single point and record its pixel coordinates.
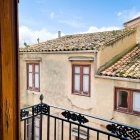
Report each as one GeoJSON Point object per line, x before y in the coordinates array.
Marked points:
{"type": "Point", "coordinates": [59, 34]}
{"type": "Point", "coordinates": [38, 40]}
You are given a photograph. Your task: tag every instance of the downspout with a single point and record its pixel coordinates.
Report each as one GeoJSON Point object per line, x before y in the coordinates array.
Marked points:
{"type": "Point", "coordinates": [95, 63]}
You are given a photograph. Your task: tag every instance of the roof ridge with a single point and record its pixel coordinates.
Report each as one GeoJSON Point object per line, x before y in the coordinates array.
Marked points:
{"type": "Point", "coordinates": [87, 41]}
{"type": "Point", "coordinates": [131, 20]}
{"type": "Point", "coordinates": [78, 34]}
{"type": "Point", "coordinates": [119, 36]}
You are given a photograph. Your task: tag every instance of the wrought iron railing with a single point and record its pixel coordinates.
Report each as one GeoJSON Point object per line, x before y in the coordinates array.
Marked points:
{"type": "Point", "coordinates": [42, 121]}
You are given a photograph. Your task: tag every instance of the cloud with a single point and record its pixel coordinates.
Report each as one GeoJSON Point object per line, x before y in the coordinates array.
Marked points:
{"type": "Point", "coordinates": [119, 14]}
{"type": "Point", "coordinates": [136, 14]}
{"type": "Point", "coordinates": [72, 23]}
{"type": "Point", "coordinates": [52, 14]}
{"type": "Point", "coordinates": [128, 14]}
{"type": "Point", "coordinates": [96, 29]}
{"type": "Point", "coordinates": [30, 36]}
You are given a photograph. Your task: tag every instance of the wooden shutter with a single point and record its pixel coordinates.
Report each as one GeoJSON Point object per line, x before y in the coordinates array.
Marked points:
{"type": "Point", "coordinates": [9, 95]}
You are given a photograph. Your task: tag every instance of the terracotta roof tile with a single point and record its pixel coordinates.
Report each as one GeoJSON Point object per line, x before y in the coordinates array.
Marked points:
{"type": "Point", "coordinates": [88, 41]}
{"type": "Point", "coordinates": [128, 66]}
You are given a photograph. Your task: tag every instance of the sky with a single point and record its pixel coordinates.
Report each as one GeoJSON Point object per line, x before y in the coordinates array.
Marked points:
{"type": "Point", "coordinates": [44, 18]}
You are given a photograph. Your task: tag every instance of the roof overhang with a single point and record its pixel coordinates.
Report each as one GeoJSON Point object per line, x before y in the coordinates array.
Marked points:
{"type": "Point", "coordinates": [131, 20]}
{"type": "Point", "coordinates": [118, 78]}
{"type": "Point", "coordinates": [59, 52]}
{"type": "Point", "coordinates": [33, 59]}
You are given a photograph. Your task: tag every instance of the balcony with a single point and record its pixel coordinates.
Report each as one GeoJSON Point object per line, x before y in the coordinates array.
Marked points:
{"type": "Point", "coordinates": [46, 122]}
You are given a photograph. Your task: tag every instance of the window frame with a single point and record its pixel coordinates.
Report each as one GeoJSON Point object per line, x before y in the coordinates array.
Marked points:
{"type": "Point", "coordinates": [33, 88]}
{"type": "Point", "coordinates": [130, 101]}
{"type": "Point", "coordinates": [81, 79]}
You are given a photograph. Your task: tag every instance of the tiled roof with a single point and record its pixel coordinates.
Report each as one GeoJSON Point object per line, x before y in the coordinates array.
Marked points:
{"type": "Point", "coordinates": [88, 41]}
{"type": "Point", "coordinates": [127, 67]}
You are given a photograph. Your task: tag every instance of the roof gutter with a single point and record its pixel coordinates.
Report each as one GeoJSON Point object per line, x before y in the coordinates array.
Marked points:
{"type": "Point", "coordinates": [61, 52]}
{"type": "Point", "coordinates": [118, 78]}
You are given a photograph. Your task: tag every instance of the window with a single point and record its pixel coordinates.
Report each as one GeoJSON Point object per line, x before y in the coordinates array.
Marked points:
{"type": "Point", "coordinates": [136, 101]}
{"type": "Point", "coordinates": [122, 102]}
{"type": "Point", "coordinates": [36, 128]}
{"type": "Point", "coordinates": [81, 79]}
{"type": "Point", "coordinates": [33, 77]}
{"type": "Point", "coordinates": [127, 100]}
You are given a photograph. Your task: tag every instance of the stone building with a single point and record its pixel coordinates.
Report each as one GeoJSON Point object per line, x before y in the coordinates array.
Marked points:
{"type": "Point", "coordinates": [93, 73]}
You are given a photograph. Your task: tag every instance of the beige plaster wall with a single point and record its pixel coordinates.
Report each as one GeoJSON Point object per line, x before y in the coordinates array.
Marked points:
{"type": "Point", "coordinates": [56, 83]}
{"type": "Point", "coordinates": [135, 24]}
{"type": "Point", "coordinates": [105, 100]}
{"type": "Point", "coordinates": [138, 34]}
{"type": "Point", "coordinates": [115, 51]}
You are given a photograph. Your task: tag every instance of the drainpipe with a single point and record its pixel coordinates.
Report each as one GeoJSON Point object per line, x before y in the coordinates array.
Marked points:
{"type": "Point", "coordinates": [95, 63]}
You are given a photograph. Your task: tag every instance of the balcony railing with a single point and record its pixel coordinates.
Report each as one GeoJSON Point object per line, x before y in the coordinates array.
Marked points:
{"type": "Point", "coordinates": [46, 122]}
